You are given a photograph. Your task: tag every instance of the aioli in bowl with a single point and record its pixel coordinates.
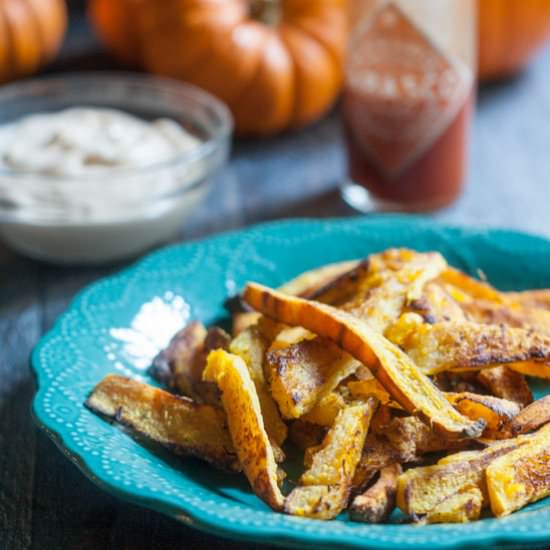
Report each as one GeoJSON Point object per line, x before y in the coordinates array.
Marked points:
{"type": "Point", "coordinates": [82, 141]}
{"type": "Point", "coordinates": [90, 174]}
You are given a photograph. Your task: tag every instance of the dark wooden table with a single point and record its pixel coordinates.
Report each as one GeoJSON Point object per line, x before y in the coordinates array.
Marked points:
{"type": "Point", "coordinates": [45, 502]}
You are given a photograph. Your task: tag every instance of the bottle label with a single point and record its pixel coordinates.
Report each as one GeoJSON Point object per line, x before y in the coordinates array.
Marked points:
{"type": "Point", "coordinates": [402, 92]}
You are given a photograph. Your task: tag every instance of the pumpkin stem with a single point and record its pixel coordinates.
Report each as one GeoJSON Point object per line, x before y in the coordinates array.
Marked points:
{"type": "Point", "coordinates": [266, 11]}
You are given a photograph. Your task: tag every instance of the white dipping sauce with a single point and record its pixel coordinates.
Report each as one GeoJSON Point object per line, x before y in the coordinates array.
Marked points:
{"type": "Point", "coordinates": [121, 199]}
{"type": "Point", "coordinates": [84, 141]}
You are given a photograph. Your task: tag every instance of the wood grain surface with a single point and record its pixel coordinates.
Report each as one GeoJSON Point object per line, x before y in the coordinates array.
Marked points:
{"type": "Point", "coordinates": [45, 502]}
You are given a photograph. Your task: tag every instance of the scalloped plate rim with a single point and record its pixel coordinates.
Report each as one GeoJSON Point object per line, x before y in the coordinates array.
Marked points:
{"type": "Point", "coordinates": [188, 515]}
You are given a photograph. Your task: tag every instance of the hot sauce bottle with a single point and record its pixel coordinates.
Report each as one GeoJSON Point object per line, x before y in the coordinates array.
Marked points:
{"type": "Point", "coordinates": [407, 102]}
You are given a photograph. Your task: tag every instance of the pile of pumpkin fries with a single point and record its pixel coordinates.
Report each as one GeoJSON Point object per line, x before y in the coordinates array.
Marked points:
{"type": "Point", "coordinates": [402, 379]}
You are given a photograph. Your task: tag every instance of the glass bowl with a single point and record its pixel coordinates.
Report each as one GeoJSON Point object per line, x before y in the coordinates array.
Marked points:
{"type": "Point", "coordinates": [122, 212]}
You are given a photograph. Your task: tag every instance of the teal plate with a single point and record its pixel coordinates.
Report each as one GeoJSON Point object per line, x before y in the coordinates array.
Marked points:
{"type": "Point", "coordinates": [118, 324]}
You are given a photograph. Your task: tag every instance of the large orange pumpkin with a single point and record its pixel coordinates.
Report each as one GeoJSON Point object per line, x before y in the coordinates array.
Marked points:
{"type": "Point", "coordinates": [30, 35]}
{"type": "Point", "coordinates": [510, 32]}
{"type": "Point", "coordinates": [276, 63]}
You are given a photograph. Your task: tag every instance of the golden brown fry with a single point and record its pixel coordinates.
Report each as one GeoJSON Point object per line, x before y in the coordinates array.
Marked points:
{"type": "Point", "coordinates": [392, 367]}
{"type": "Point", "coordinates": [468, 287]}
{"type": "Point", "coordinates": [366, 388]}
{"type": "Point", "coordinates": [530, 368]}
{"type": "Point", "coordinates": [326, 409]}
{"type": "Point", "coordinates": [269, 329]}
{"type": "Point", "coordinates": [302, 373]}
{"type": "Point", "coordinates": [304, 285]}
{"type": "Point", "coordinates": [396, 278]}
{"type": "Point", "coordinates": [289, 336]}
{"type": "Point", "coordinates": [313, 281]}
{"type": "Point", "coordinates": [318, 501]}
{"type": "Point", "coordinates": [421, 490]}
{"type": "Point", "coordinates": [413, 438]}
{"type": "Point", "coordinates": [460, 507]}
{"type": "Point", "coordinates": [520, 477]}
{"type": "Point", "coordinates": [467, 345]}
{"type": "Point", "coordinates": [251, 347]}
{"type": "Point", "coordinates": [380, 286]}
{"type": "Point", "coordinates": [436, 305]}
{"type": "Point", "coordinates": [459, 382]}
{"type": "Point", "coordinates": [507, 384]}
{"type": "Point", "coordinates": [532, 417]}
{"type": "Point", "coordinates": [184, 427]}
{"type": "Point", "coordinates": [530, 298]}
{"type": "Point", "coordinates": [344, 288]}
{"type": "Point", "coordinates": [305, 435]}
{"type": "Point", "coordinates": [512, 315]}
{"type": "Point", "coordinates": [496, 412]}
{"type": "Point", "coordinates": [378, 453]}
{"type": "Point", "coordinates": [382, 418]}
{"type": "Point", "coordinates": [180, 365]}
{"type": "Point", "coordinates": [377, 502]}
{"type": "Point", "coordinates": [246, 425]}
{"type": "Point", "coordinates": [333, 466]}
{"type": "Point", "coordinates": [465, 456]}
{"type": "Point", "coordinates": [342, 446]}
{"type": "Point", "coordinates": [309, 453]}
{"type": "Point", "coordinates": [242, 320]}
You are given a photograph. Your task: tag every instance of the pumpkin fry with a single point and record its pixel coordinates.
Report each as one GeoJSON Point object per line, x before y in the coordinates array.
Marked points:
{"type": "Point", "coordinates": [392, 367]}
{"type": "Point", "coordinates": [421, 490]}
{"type": "Point", "coordinates": [304, 285]}
{"type": "Point", "coordinates": [378, 453]}
{"type": "Point", "coordinates": [305, 435]}
{"type": "Point", "coordinates": [468, 287]}
{"type": "Point", "coordinates": [303, 373]}
{"type": "Point", "coordinates": [412, 437]}
{"type": "Point", "coordinates": [470, 346]}
{"type": "Point", "coordinates": [184, 427]}
{"type": "Point", "coordinates": [246, 425]}
{"type": "Point", "coordinates": [326, 409]}
{"type": "Point", "coordinates": [241, 320]}
{"type": "Point", "coordinates": [507, 384]}
{"type": "Point", "coordinates": [496, 412]}
{"type": "Point", "coordinates": [530, 298]}
{"type": "Point", "coordinates": [377, 502]}
{"type": "Point", "coordinates": [311, 282]}
{"type": "Point", "coordinates": [342, 289]}
{"type": "Point", "coordinates": [532, 417]}
{"type": "Point", "coordinates": [394, 280]}
{"type": "Point", "coordinates": [180, 365]}
{"type": "Point", "coordinates": [520, 477]}
{"type": "Point", "coordinates": [436, 305]}
{"type": "Point", "coordinates": [366, 388]}
{"type": "Point", "coordinates": [250, 346]}
{"type": "Point", "coordinates": [461, 507]}
{"type": "Point", "coordinates": [511, 315]}
{"type": "Point", "coordinates": [530, 368]}
{"type": "Point", "coordinates": [325, 486]}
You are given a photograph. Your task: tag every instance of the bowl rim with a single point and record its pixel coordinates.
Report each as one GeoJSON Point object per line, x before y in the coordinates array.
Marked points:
{"type": "Point", "coordinates": [196, 154]}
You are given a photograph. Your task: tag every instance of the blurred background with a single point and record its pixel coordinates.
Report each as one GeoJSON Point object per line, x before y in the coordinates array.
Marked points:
{"type": "Point", "coordinates": [294, 165]}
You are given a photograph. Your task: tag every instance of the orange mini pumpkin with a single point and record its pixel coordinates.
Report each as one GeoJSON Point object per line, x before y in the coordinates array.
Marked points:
{"type": "Point", "coordinates": [510, 33]}
{"type": "Point", "coordinates": [30, 35]}
{"type": "Point", "coordinates": [276, 63]}
{"type": "Point", "coordinates": [115, 25]}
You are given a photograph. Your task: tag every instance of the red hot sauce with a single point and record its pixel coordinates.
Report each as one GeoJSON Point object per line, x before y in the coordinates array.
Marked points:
{"type": "Point", "coordinates": [407, 109]}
